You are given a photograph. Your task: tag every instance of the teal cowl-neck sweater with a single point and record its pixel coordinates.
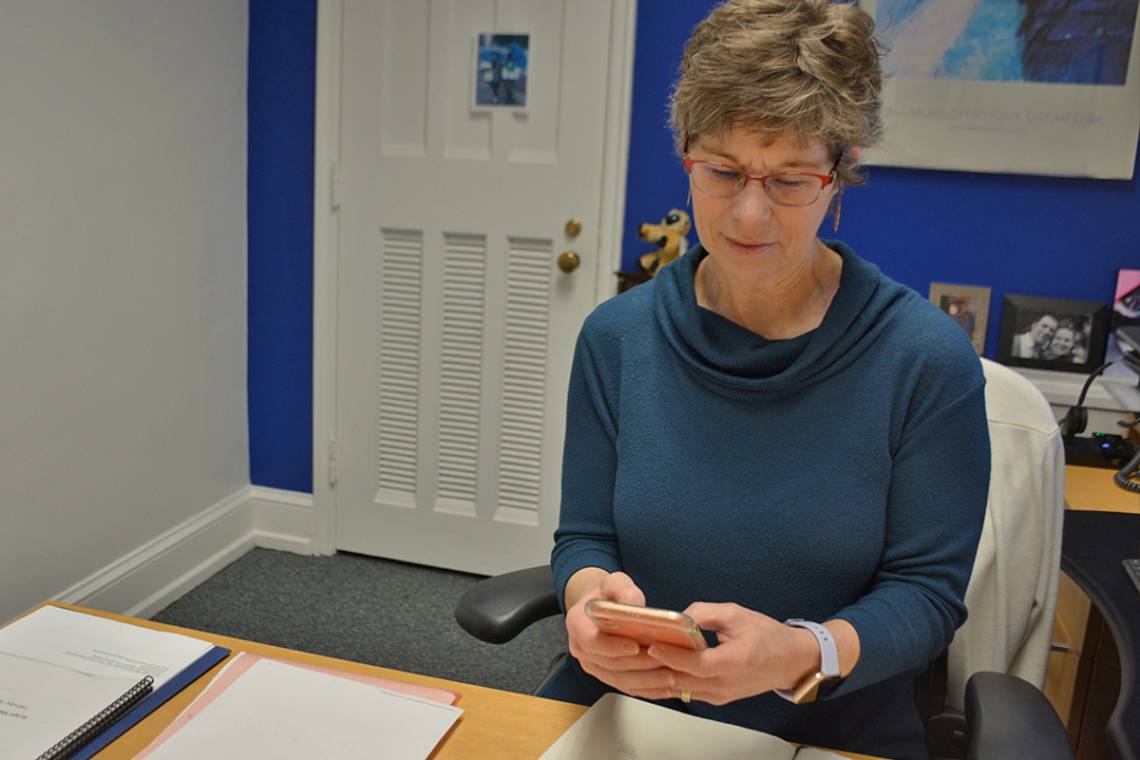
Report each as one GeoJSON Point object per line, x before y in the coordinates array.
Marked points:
{"type": "Point", "coordinates": [839, 474]}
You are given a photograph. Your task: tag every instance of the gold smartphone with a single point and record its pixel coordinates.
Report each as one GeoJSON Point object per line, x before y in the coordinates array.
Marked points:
{"type": "Point", "coordinates": [646, 625]}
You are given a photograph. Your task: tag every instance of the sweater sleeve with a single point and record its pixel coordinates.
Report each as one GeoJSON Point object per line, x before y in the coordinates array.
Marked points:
{"type": "Point", "coordinates": [586, 536]}
{"type": "Point", "coordinates": [935, 509]}
{"type": "Point", "coordinates": [1031, 659]}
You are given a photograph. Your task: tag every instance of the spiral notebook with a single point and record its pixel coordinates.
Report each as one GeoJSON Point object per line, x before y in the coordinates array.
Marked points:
{"type": "Point", "coordinates": [71, 744]}
{"type": "Point", "coordinates": [63, 672]}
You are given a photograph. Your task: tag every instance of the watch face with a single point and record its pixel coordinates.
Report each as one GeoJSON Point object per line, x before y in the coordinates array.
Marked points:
{"type": "Point", "coordinates": [808, 689]}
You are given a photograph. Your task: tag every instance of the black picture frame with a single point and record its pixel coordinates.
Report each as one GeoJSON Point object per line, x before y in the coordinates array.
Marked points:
{"type": "Point", "coordinates": [1025, 319]}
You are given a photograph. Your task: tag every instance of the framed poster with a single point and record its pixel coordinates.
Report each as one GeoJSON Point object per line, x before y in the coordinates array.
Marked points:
{"type": "Point", "coordinates": [1009, 86]}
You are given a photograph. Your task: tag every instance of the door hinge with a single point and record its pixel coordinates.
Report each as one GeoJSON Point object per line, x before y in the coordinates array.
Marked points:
{"type": "Point", "coordinates": [333, 473]}
{"type": "Point", "coordinates": [334, 186]}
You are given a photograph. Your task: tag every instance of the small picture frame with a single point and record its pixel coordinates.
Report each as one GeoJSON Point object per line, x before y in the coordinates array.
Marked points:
{"type": "Point", "coordinates": [1124, 335]}
{"type": "Point", "coordinates": [968, 305]}
{"type": "Point", "coordinates": [1126, 301]}
{"type": "Point", "coordinates": [501, 71]}
{"type": "Point", "coordinates": [1053, 333]}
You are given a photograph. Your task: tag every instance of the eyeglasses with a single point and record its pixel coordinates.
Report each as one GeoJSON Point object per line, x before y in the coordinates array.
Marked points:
{"type": "Point", "coordinates": [785, 189]}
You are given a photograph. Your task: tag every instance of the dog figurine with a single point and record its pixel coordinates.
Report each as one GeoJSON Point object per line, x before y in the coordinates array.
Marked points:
{"type": "Point", "coordinates": [669, 236]}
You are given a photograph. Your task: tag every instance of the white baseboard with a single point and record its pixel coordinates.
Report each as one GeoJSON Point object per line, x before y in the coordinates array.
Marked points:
{"type": "Point", "coordinates": [283, 520]}
{"type": "Point", "coordinates": [160, 571]}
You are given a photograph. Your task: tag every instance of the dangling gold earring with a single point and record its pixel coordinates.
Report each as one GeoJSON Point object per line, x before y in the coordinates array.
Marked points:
{"type": "Point", "coordinates": [838, 208]}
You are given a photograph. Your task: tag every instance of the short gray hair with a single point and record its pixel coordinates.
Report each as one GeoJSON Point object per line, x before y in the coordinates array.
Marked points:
{"type": "Point", "coordinates": [770, 66]}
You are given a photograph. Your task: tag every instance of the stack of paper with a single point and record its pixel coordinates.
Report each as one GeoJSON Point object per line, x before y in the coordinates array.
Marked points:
{"type": "Point", "coordinates": [620, 726]}
{"type": "Point", "coordinates": [59, 668]}
{"type": "Point", "coordinates": [265, 708]}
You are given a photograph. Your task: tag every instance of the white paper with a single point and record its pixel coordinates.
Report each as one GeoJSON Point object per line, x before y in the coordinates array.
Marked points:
{"type": "Point", "coordinates": [60, 668]}
{"type": "Point", "coordinates": [100, 646]}
{"type": "Point", "coordinates": [622, 727]}
{"type": "Point", "coordinates": [280, 711]}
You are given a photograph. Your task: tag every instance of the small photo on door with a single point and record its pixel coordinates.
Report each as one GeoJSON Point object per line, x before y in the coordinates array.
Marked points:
{"type": "Point", "coordinates": [501, 71]}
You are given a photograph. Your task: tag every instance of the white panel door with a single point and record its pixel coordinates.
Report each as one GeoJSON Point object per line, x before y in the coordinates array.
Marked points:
{"type": "Point", "coordinates": [456, 326]}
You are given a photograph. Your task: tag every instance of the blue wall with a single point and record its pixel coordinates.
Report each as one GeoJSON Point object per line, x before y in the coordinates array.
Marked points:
{"type": "Point", "coordinates": [1041, 236]}
{"type": "Point", "coordinates": [282, 85]}
{"type": "Point", "coordinates": [1049, 237]}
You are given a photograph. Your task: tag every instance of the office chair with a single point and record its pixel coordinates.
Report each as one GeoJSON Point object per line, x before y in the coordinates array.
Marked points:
{"type": "Point", "coordinates": [981, 699]}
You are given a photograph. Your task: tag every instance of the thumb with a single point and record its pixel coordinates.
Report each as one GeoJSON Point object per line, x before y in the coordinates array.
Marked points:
{"type": "Point", "coordinates": [619, 587]}
{"type": "Point", "coordinates": [712, 617]}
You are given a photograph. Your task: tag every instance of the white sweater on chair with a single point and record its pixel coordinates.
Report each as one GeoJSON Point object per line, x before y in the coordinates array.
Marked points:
{"type": "Point", "coordinates": [1012, 595]}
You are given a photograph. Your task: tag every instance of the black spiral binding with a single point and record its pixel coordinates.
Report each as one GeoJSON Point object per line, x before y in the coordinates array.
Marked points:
{"type": "Point", "coordinates": [75, 741]}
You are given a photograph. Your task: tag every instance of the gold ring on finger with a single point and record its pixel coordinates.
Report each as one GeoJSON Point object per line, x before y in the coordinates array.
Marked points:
{"type": "Point", "coordinates": [686, 696]}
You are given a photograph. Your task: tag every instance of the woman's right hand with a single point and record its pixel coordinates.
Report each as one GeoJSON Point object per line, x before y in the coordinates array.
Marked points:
{"type": "Point", "coordinates": [617, 661]}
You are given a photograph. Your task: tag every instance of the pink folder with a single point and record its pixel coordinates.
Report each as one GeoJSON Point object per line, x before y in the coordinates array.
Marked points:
{"type": "Point", "coordinates": [244, 661]}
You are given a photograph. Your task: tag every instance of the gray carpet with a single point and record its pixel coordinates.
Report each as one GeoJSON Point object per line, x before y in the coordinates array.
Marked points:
{"type": "Point", "coordinates": [363, 609]}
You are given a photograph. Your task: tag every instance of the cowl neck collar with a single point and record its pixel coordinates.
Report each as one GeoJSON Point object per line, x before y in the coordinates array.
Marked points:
{"type": "Point", "coordinates": [733, 358]}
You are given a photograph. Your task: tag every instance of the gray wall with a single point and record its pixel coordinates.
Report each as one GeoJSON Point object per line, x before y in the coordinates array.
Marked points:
{"type": "Point", "coordinates": [122, 278]}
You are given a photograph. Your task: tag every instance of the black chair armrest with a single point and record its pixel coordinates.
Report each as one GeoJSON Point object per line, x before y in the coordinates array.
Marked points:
{"type": "Point", "coordinates": [497, 609]}
{"type": "Point", "coordinates": [1010, 719]}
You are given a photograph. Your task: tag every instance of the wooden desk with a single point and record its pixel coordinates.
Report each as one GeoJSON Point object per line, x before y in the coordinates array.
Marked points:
{"type": "Point", "coordinates": [1091, 488]}
{"type": "Point", "coordinates": [1083, 678]}
{"type": "Point", "coordinates": [1094, 545]}
{"type": "Point", "coordinates": [1086, 489]}
{"type": "Point", "coordinates": [495, 724]}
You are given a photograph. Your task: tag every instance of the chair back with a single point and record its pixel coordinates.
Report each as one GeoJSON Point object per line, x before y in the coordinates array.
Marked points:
{"type": "Point", "coordinates": [1012, 594]}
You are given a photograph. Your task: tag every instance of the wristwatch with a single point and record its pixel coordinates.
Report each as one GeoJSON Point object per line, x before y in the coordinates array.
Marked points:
{"type": "Point", "coordinates": [807, 689]}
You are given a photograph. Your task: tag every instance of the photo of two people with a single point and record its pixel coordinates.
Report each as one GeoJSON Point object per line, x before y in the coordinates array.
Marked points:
{"type": "Point", "coordinates": [1052, 333]}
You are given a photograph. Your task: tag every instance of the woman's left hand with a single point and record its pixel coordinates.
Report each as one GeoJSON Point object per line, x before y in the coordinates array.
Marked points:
{"type": "Point", "coordinates": [756, 654]}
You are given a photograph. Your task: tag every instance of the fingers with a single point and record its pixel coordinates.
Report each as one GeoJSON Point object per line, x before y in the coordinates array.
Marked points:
{"type": "Point", "coordinates": [607, 645]}
{"type": "Point", "coordinates": [699, 691]}
{"type": "Point", "coordinates": [714, 691]}
{"type": "Point", "coordinates": [658, 694]}
{"type": "Point", "coordinates": [587, 642]}
{"type": "Point", "coordinates": [712, 698]}
{"type": "Point", "coordinates": [701, 663]}
{"type": "Point", "coordinates": [638, 661]}
{"type": "Point", "coordinates": [638, 683]}
{"type": "Point", "coordinates": [585, 637]}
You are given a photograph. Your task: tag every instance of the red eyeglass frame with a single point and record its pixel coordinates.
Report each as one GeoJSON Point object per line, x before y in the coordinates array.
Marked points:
{"type": "Point", "coordinates": [824, 179]}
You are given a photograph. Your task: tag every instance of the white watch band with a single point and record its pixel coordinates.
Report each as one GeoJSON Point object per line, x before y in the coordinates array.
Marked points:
{"type": "Point", "coordinates": [828, 656]}
{"type": "Point", "coordinates": [828, 663]}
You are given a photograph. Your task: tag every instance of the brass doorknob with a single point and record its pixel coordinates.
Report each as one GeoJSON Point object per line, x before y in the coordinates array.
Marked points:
{"type": "Point", "coordinates": [573, 227]}
{"type": "Point", "coordinates": [568, 261]}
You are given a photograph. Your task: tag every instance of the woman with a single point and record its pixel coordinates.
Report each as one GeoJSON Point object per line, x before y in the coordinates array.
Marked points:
{"type": "Point", "coordinates": [1061, 346]}
{"type": "Point", "coordinates": [771, 429]}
